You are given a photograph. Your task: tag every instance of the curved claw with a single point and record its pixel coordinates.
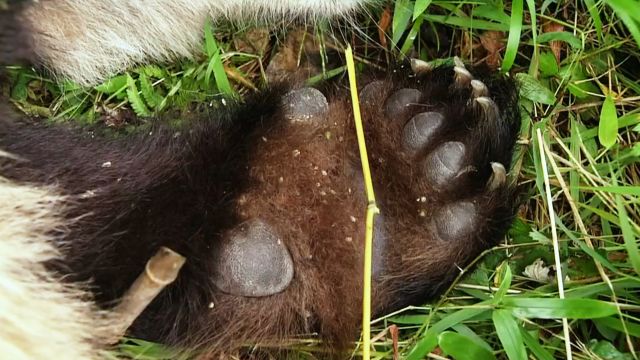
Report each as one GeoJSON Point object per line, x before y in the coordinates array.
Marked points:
{"type": "Point", "coordinates": [498, 177]}
{"type": "Point", "coordinates": [420, 66]}
{"type": "Point", "coordinates": [457, 62]}
{"type": "Point", "coordinates": [478, 89]}
{"type": "Point", "coordinates": [488, 107]}
{"type": "Point", "coordinates": [463, 76]}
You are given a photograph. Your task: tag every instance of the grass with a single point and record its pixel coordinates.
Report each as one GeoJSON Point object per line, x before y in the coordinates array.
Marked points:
{"type": "Point", "coordinates": [578, 65]}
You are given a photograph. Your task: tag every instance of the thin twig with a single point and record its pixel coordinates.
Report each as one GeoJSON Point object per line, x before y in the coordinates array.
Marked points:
{"type": "Point", "coordinates": [161, 270]}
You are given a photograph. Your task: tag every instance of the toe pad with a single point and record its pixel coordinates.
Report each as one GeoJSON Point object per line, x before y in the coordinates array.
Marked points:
{"type": "Point", "coordinates": [444, 164]}
{"type": "Point", "coordinates": [421, 130]}
{"type": "Point", "coordinates": [252, 261]}
{"type": "Point", "coordinates": [305, 105]}
{"type": "Point", "coordinates": [456, 220]}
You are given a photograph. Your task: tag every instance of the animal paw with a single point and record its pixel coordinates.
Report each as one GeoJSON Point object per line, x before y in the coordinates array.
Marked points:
{"type": "Point", "coordinates": [269, 209]}
{"type": "Point", "coordinates": [441, 143]}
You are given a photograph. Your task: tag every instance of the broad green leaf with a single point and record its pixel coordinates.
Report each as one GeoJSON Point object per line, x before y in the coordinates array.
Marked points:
{"type": "Point", "coordinates": [608, 127]}
{"type": "Point", "coordinates": [563, 36]}
{"type": "Point", "coordinates": [548, 64]}
{"type": "Point", "coordinates": [554, 308]}
{"type": "Point", "coordinates": [461, 347]}
{"type": "Point", "coordinates": [509, 334]}
{"type": "Point", "coordinates": [113, 85]}
{"type": "Point", "coordinates": [532, 89]}
{"type": "Point", "coordinates": [606, 350]}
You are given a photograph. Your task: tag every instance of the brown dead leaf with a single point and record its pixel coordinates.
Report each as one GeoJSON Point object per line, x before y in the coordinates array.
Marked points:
{"type": "Point", "coordinates": [394, 331]}
{"type": "Point", "coordinates": [493, 42]}
{"type": "Point", "coordinates": [556, 46]}
{"type": "Point", "coordinates": [383, 26]}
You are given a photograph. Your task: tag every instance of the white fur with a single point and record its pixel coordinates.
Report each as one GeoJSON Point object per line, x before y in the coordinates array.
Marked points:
{"type": "Point", "coordinates": [89, 40]}
{"type": "Point", "coordinates": [40, 318]}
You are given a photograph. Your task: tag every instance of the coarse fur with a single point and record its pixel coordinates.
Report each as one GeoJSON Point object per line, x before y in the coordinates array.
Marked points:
{"type": "Point", "coordinates": [188, 187]}
{"type": "Point", "coordinates": [40, 315]}
{"type": "Point", "coordinates": [90, 40]}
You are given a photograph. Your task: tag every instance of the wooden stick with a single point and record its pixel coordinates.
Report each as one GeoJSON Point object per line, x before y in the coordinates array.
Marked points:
{"type": "Point", "coordinates": [161, 270]}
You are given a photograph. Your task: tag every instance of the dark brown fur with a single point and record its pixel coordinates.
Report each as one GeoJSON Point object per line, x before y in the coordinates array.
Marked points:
{"type": "Point", "coordinates": [15, 44]}
{"type": "Point", "coordinates": [184, 187]}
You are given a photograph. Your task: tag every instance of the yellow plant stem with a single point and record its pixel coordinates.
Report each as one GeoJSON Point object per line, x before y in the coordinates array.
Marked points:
{"type": "Point", "coordinates": [372, 209]}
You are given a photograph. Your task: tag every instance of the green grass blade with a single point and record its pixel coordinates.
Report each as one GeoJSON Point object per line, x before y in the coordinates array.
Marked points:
{"type": "Point", "coordinates": [515, 28]}
{"type": "Point", "coordinates": [215, 64]}
{"type": "Point", "coordinates": [623, 190]}
{"type": "Point", "coordinates": [430, 339]}
{"type": "Point", "coordinates": [628, 234]}
{"type": "Point", "coordinates": [466, 22]}
{"type": "Point", "coordinates": [595, 16]}
{"type": "Point", "coordinates": [614, 323]}
{"type": "Point", "coordinates": [420, 7]}
{"type": "Point", "coordinates": [505, 284]}
{"type": "Point", "coordinates": [627, 11]}
{"type": "Point", "coordinates": [537, 350]}
{"type": "Point", "coordinates": [554, 308]}
{"type": "Point", "coordinates": [461, 347]}
{"type": "Point", "coordinates": [509, 334]}
{"type": "Point", "coordinates": [402, 14]}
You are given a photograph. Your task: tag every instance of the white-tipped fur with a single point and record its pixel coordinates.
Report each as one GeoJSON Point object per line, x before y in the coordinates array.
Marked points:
{"type": "Point", "coordinates": [89, 40]}
{"type": "Point", "coordinates": [40, 317]}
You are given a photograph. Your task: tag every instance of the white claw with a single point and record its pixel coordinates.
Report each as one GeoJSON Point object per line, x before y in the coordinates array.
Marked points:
{"type": "Point", "coordinates": [457, 62]}
{"type": "Point", "coordinates": [498, 177]}
{"type": "Point", "coordinates": [488, 106]}
{"type": "Point", "coordinates": [420, 66]}
{"type": "Point", "coordinates": [478, 89]}
{"type": "Point", "coordinates": [463, 76]}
